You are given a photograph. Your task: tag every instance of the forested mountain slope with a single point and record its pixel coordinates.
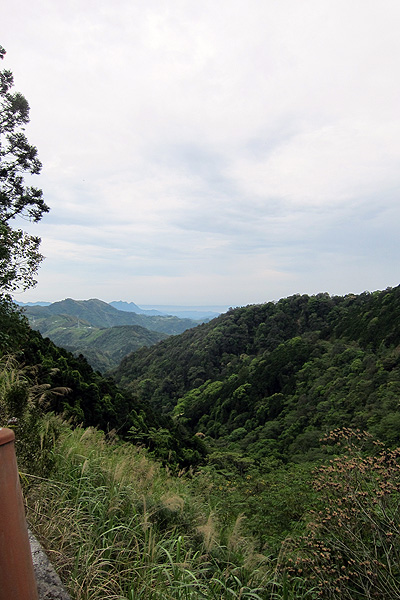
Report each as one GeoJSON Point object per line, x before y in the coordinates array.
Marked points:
{"type": "Point", "coordinates": [83, 396]}
{"type": "Point", "coordinates": [269, 380]}
{"type": "Point", "coordinates": [263, 409]}
{"type": "Point", "coordinates": [103, 334]}
{"type": "Point", "coordinates": [103, 347]}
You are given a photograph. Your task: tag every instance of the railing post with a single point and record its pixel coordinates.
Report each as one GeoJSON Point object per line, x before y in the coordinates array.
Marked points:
{"type": "Point", "coordinates": [17, 578]}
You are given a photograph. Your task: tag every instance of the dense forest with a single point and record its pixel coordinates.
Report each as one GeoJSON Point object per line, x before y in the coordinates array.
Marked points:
{"type": "Point", "coordinates": [269, 380]}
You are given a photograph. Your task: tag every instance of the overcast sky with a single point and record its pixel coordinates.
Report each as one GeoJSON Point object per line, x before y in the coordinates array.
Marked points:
{"type": "Point", "coordinates": [216, 152]}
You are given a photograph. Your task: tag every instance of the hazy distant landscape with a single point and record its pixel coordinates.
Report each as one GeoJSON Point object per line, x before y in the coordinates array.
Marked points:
{"type": "Point", "coordinates": [189, 312]}
{"type": "Point", "coordinates": [105, 333]}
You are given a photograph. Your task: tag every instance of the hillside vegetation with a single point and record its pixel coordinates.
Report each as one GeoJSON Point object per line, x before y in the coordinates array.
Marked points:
{"type": "Point", "coordinates": [103, 334]}
{"type": "Point", "coordinates": [269, 380]}
{"type": "Point", "coordinates": [100, 314]}
{"type": "Point", "coordinates": [104, 348]}
{"type": "Point", "coordinates": [290, 490]}
{"type": "Point", "coordinates": [85, 397]}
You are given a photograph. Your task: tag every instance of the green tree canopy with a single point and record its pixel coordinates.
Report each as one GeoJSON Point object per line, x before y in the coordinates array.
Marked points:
{"type": "Point", "coordinates": [19, 251]}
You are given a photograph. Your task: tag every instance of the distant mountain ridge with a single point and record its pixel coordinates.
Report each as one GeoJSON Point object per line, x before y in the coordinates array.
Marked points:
{"type": "Point", "coordinates": [203, 313]}
{"type": "Point", "coordinates": [101, 314]}
{"type": "Point", "coordinates": [103, 334]}
{"type": "Point", "coordinates": [23, 304]}
{"type": "Point", "coordinates": [197, 313]}
{"type": "Point", "coordinates": [132, 307]}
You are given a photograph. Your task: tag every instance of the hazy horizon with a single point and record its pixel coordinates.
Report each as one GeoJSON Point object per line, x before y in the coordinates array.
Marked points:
{"type": "Point", "coordinates": [143, 306]}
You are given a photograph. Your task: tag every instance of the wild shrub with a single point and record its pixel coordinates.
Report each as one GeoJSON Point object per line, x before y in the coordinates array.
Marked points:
{"type": "Point", "coordinates": [352, 548]}
{"type": "Point", "coordinates": [22, 404]}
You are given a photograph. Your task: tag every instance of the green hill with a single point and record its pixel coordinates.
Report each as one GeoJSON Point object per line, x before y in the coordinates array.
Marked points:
{"type": "Point", "coordinates": [104, 348]}
{"type": "Point", "coordinates": [269, 380]}
{"type": "Point", "coordinates": [100, 314]}
{"type": "Point", "coordinates": [103, 334]}
{"type": "Point", "coordinates": [82, 396]}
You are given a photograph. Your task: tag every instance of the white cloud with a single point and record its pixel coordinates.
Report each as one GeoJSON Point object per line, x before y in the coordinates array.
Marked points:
{"type": "Point", "coordinates": [334, 164]}
{"type": "Point", "coordinates": [185, 145]}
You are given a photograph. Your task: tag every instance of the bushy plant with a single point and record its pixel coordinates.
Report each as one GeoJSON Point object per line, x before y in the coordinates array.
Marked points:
{"type": "Point", "coordinates": [352, 549]}
{"type": "Point", "coordinates": [22, 408]}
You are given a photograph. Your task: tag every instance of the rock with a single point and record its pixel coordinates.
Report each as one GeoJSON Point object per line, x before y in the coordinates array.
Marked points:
{"type": "Point", "coordinates": [48, 582]}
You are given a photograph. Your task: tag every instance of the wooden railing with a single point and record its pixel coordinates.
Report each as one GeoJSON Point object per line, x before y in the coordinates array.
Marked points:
{"type": "Point", "coordinates": [17, 578]}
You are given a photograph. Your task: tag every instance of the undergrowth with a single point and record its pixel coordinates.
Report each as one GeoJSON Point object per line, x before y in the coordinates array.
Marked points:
{"type": "Point", "coordinates": [115, 523]}
{"type": "Point", "coordinates": [118, 525]}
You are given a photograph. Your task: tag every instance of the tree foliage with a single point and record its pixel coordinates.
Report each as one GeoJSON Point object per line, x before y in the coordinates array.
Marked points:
{"type": "Point", "coordinates": [19, 251]}
{"type": "Point", "coordinates": [271, 379]}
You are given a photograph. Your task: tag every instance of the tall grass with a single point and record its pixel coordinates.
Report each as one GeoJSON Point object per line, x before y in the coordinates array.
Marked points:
{"type": "Point", "coordinates": [117, 525]}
